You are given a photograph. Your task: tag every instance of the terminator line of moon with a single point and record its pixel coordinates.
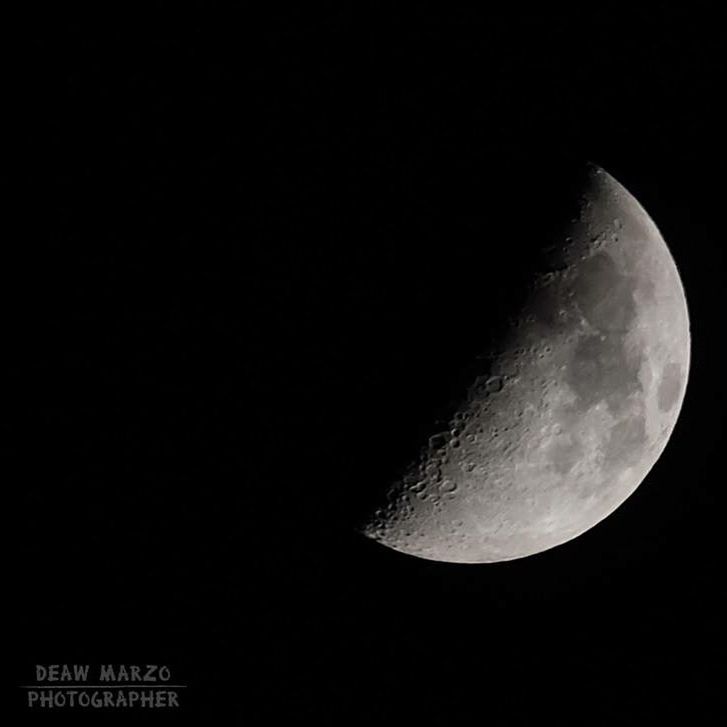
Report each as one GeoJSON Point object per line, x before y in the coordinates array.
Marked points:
{"type": "Point", "coordinates": [577, 404]}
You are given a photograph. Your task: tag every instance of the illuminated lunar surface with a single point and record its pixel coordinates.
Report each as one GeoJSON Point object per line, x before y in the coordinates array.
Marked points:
{"type": "Point", "coordinates": [577, 404]}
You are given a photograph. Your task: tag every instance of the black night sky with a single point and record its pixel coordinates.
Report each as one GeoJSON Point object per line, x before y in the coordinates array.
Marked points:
{"type": "Point", "coordinates": [254, 256]}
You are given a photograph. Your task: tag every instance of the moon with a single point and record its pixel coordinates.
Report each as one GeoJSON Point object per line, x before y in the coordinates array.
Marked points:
{"type": "Point", "coordinates": [576, 403]}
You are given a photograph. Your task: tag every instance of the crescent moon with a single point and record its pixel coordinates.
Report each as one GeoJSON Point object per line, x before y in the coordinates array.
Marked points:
{"type": "Point", "coordinates": [577, 404]}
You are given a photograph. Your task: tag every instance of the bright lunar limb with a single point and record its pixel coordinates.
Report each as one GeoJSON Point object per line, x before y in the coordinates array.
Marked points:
{"type": "Point", "coordinates": [575, 408]}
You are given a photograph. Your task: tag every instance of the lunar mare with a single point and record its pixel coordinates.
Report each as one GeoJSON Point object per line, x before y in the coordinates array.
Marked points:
{"type": "Point", "coordinates": [576, 406]}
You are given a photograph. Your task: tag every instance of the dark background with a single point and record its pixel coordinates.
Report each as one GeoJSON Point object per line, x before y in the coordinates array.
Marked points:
{"type": "Point", "coordinates": [256, 255]}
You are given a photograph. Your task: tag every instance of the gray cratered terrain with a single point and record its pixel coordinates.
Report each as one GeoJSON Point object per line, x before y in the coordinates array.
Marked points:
{"type": "Point", "coordinates": [577, 403]}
